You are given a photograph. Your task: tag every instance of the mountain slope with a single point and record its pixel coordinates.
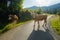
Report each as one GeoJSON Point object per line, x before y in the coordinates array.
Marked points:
{"type": "Point", "coordinates": [45, 8]}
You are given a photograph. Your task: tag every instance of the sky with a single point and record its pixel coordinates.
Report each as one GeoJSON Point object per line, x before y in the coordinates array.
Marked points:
{"type": "Point", "coordinates": [30, 3]}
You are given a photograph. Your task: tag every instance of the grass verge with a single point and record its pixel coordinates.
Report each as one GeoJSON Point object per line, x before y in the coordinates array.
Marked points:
{"type": "Point", "coordinates": [10, 26]}
{"type": "Point", "coordinates": [55, 23]}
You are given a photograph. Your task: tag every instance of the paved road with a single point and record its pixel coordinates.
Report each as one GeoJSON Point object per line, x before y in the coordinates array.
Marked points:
{"type": "Point", "coordinates": [27, 32]}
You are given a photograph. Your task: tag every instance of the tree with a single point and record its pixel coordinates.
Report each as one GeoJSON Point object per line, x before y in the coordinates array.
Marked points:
{"type": "Point", "coordinates": [54, 11]}
{"type": "Point", "coordinates": [14, 8]}
{"type": "Point", "coordinates": [47, 11]}
{"type": "Point", "coordinates": [39, 11]}
{"type": "Point", "coordinates": [25, 15]}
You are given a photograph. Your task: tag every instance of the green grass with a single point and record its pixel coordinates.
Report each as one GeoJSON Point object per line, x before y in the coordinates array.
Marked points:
{"type": "Point", "coordinates": [10, 26]}
{"type": "Point", "coordinates": [56, 24]}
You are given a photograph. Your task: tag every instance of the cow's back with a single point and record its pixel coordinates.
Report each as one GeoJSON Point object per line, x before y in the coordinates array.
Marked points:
{"type": "Point", "coordinates": [40, 17]}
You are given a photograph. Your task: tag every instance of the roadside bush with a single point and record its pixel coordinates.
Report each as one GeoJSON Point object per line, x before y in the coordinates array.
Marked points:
{"type": "Point", "coordinates": [56, 25]}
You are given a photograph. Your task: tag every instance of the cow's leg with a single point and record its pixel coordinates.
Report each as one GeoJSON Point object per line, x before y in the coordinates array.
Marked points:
{"type": "Point", "coordinates": [38, 25]}
{"type": "Point", "coordinates": [34, 24]}
{"type": "Point", "coordinates": [45, 22]}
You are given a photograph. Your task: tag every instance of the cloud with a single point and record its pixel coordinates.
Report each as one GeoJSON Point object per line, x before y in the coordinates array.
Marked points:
{"type": "Point", "coordinates": [29, 3]}
{"type": "Point", "coordinates": [46, 2]}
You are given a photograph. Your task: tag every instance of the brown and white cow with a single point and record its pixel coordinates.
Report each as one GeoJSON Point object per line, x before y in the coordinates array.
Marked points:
{"type": "Point", "coordinates": [40, 17]}
{"type": "Point", "coordinates": [13, 18]}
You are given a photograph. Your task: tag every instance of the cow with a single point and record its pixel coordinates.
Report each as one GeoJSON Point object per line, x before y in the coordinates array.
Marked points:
{"type": "Point", "coordinates": [40, 17]}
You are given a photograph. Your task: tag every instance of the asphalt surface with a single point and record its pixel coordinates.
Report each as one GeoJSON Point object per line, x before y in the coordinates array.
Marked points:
{"type": "Point", "coordinates": [28, 32]}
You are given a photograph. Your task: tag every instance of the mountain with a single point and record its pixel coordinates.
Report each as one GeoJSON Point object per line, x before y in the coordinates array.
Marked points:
{"type": "Point", "coordinates": [33, 8]}
{"type": "Point", "coordinates": [54, 7]}
{"type": "Point", "coordinates": [45, 8]}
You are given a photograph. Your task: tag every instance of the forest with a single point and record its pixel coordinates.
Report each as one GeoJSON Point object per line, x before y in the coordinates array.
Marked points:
{"type": "Point", "coordinates": [13, 7]}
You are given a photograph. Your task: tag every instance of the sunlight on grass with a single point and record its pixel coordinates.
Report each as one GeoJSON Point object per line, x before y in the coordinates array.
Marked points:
{"type": "Point", "coordinates": [56, 24]}
{"type": "Point", "coordinates": [11, 25]}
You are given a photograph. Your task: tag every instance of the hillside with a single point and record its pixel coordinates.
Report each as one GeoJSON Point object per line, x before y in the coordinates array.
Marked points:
{"type": "Point", "coordinates": [45, 8]}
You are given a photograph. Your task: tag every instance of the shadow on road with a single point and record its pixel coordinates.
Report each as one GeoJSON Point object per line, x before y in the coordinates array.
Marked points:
{"type": "Point", "coordinates": [40, 35]}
